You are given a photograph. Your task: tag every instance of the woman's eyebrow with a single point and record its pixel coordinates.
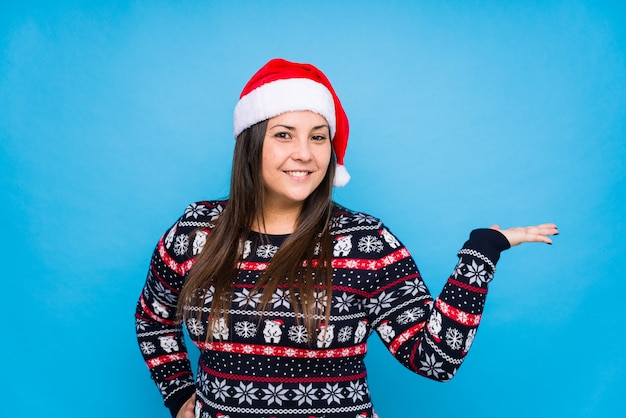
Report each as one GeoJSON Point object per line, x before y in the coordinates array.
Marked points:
{"type": "Point", "coordinates": [320, 127]}
{"type": "Point", "coordinates": [291, 128]}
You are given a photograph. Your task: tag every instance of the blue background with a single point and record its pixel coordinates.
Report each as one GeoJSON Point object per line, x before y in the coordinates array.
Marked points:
{"type": "Point", "coordinates": [114, 115]}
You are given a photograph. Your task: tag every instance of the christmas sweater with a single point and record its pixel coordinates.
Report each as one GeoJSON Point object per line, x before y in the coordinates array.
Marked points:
{"type": "Point", "coordinates": [262, 365]}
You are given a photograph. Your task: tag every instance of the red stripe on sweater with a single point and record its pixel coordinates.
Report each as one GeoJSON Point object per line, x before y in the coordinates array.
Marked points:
{"type": "Point", "coordinates": [177, 375]}
{"type": "Point", "coordinates": [168, 358]}
{"type": "Point", "coordinates": [462, 317]}
{"type": "Point", "coordinates": [412, 357]}
{"type": "Point", "coordinates": [404, 337]}
{"type": "Point", "coordinates": [362, 264]}
{"type": "Point", "coordinates": [146, 309]}
{"type": "Point", "coordinates": [280, 351]}
{"type": "Point", "coordinates": [394, 283]}
{"type": "Point", "coordinates": [179, 268]}
{"type": "Point", "coordinates": [342, 263]}
{"type": "Point", "coordinates": [467, 286]}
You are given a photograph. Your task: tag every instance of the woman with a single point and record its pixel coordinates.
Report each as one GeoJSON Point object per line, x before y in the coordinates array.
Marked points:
{"type": "Point", "coordinates": [280, 287]}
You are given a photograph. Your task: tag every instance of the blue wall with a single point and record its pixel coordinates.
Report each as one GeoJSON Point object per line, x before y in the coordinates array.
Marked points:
{"type": "Point", "coordinates": [114, 115]}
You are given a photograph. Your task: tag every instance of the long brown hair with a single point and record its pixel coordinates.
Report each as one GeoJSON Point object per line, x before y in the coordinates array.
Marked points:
{"type": "Point", "coordinates": [302, 264]}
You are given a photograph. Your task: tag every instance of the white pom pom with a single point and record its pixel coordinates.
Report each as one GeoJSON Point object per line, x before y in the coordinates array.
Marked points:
{"type": "Point", "coordinates": [341, 176]}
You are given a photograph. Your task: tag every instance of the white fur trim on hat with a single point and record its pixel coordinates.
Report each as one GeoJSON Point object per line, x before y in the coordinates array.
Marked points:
{"type": "Point", "coordinates": [342, 177]}
{"type": "Point", "coordinates": [281, 96]}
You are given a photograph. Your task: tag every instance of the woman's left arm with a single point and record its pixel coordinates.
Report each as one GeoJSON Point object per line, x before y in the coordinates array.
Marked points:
{"type": "Point", "coordinates": [432, 335]}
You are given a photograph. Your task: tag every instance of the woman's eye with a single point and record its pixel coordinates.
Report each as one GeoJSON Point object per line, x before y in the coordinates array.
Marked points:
{"type": "Point", "coordinates": [283, 135]}
{"type": "Point", "coordinates": [318, 138]}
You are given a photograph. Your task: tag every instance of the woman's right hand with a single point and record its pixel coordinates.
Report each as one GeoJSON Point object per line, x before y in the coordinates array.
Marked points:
{"type": "Point", "coordinates": [187, 410]}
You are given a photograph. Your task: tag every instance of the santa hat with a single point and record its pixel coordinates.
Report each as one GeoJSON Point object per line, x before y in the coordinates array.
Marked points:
{"type": "Point", "coordinates": [282, 86]}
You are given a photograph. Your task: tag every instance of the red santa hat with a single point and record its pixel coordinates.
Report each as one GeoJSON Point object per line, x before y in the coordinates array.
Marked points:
{"type": "Point", "coordinates": [282, 86]}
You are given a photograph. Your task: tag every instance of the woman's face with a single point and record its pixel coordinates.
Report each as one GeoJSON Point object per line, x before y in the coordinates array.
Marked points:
{"type": "Point", "coordinates": [295, 157]}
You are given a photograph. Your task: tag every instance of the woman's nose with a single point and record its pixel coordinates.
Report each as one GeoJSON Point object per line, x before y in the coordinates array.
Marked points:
{"type": "Point", "coordinates": [302, 150]}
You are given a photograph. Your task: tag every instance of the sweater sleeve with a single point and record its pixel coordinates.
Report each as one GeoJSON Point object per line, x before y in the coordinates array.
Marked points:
{"type": "Point", "coordinates": [159, 331]}
{"type": "Point", "coordinates": [431, 336]}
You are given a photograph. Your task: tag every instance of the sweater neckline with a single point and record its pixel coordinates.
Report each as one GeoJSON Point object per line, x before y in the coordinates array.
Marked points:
{"type": "Point", "coordinates": [275, 239]}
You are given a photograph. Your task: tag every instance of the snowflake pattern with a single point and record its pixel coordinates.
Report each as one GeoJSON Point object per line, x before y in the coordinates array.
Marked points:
{"type": "Point", "coordinates": [275, 394]}
{"type": "Point", "coordinates": [208, 295]}
{"type": "Point", "coordinates": [175, 382]}
{"type": "Point", "coordinates": [245, 298]}
{"type": "Point", "coordinates": [454, 338]}
{"type": "Point", "coordinates": [220, 389]}
{"type": "Point", "coordinates": [298, 334]}
{"type": "Point", "coordinates": [344, 334]}
{"type": "Point", "coordinates": [141, 325]}
{"type": "Point", "coordinates": [266, 250]}
{"type": "Point", "coordinates": [162, 387]}
{"type": "Point", "coordinates": [431, 366]}
{"type": "Point", "coordinates": [216, 212]}
{"type": "Point", "coordinates": [356, 391]}
{"type": "Point", "coordinates": [378, 303]}
{"type": "Point", "coordinates": [338, 222]}
{"type": "Point", "coordinates": [195, 327]}
{"type": "Point", "coordinates": [305, 394]}
{"type": "Point", "coordinates": [370, 244]}
{"type": "Point", "coordinates": [147, 347]}
{"type": "Point", "coordinates": [281, 298]}
{"type": "Point", "coordinates": [476, 273]}
{"type": "Point", "coordinates": [204, 381]}
{"type": "Point", "coordinates": [245, 329]}
{"type": "Point", "coordinates": [181, 244]}
{"type": "Point", "coordinates": [195, 209]}
{"type": "Point", "coordinates": [414, 287]}
{"type": "Point", "coordinates": [361, 218]}
{"type": "Point", "coordinates": [320, 300]}
{"type": "Point", "coordinates": [410, 315]}
{"type": "Point", "coordinates": [458, 270]}
{"type": "Point", "coordinates": [332, 393]}
{"type": "Point", "coordinates": [245, 393]}
{"type": "Point", "coordinates": [344, 302]}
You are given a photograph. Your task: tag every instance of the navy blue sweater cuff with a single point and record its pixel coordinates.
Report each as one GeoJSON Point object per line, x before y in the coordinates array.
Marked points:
{"type": "Point", "coordinates": [176, 401]}
{"type": "Point", "coordinates": [488, 242]}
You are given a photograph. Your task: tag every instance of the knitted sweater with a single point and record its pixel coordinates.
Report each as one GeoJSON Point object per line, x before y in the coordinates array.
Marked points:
{"type": "Point", "coordinates": [264, 367]}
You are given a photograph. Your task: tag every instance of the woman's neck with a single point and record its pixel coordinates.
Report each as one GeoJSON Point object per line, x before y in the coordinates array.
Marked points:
{"type": "Point", "coordinates": [277, 222]}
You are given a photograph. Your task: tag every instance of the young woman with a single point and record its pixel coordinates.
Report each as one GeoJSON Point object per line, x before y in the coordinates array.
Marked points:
{"type": "Point", "coordinates": [280, 287]}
